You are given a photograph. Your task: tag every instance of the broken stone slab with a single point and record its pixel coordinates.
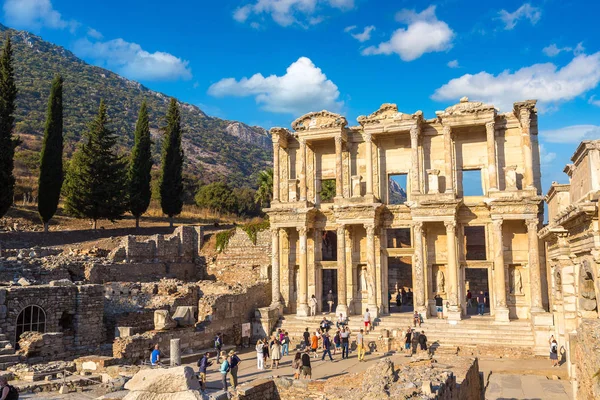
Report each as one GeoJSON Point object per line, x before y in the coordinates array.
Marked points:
{"type": "Point", "coordinates": [24, 282]}
{"type": "Point", "coordinates": [170, 383]}
{"type": "Point", "coordinates": [163, 321]}
{"type": "Point", "coordinates": [123, 331]}
{"type": "Point", "coordinates": [61, 282]}
{"type": "Point", "coordinates": [185, 315]}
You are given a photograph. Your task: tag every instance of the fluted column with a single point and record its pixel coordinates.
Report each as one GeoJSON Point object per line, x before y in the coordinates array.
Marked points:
{"type": "Point", "coordinates": [339, 177]}
{"type": "Point", "coordinates": [302, 309]}
{"type": "Point", "coordinates": [491, 152]}
{"type": "Point", "coordinates": [525, 117]}
{"type": "Point", "coordinates": [535, 279]}
{"type": "Point", "coordinates": [414, 159]}
{"type": "Point", "coordinates": [302, 179]}
{"type": "Point", "coordinates": [418, 274]}
{"type": "Point", "coordinates": [276, 170]}
{"type": "Point", "coordinates": [275, 269]}
{"type": "Point", "coordinates": [452, 268]}
{"type": "Point", "coordinates": [501, 310]}
{"type": "Point", "coordinates": [448, 159]}
{"type": "Point", "coordinates": [369, 159]}
{"type": "Point", "coordinates": [342, 306]}
{"type": "Point", "coordinates": [371, 270]}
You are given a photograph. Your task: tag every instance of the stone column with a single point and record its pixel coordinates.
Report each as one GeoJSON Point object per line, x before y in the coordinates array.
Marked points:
{"type": "Point", "coordinates": [302, 179]}
{"type": "Point", "coordinates": [418, 275]}
{"type": "Point", "coordinates": [454, 313]}
{"type": "Point", "coordinates": [414, 159]}
{"type": "Point", "coordinates": [535, 279]}
{"type": "Point", "coordinates": [371, 271]}
{"type": "Point", "coordinates": [276, 186]}
{"type": "Point", "coordinates": [501, 310]}
{"type": "Point", "coordinates": [491, 152]}
{"type": "Point", "coordinates": [449, 159]}
{"type": "Point", "coordinates": [342, 297]}
{"type": "Point", "coordinates": [339, 177]}
{"type": "Point", "coordinates": [275, 270]}
{"type": "Point", "coordinates": [175, 353]}
{"type": "Point", "coordinates": [369, 159]}
{"type": "Point", "coordinates": [302, 309]}
{"type": "Point", "coordinates": [525, 118]}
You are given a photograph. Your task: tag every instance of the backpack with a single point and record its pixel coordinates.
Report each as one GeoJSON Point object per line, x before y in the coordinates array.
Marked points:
{"type": "Point", "coordinates": [554, 349]}
{"type": "Point", "coordinates": [217, 343]}
{"type": "Point", "coordinates": [13, 393]}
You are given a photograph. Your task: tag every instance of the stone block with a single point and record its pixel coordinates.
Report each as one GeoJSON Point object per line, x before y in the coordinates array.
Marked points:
{"type": "Point", "coordinates": [163, 321]}
{"type": "Point", "coordinates": [185, 315]}
{"type": "Point", "coordinates": [123, 331]}
{"type": "Point", "coordinates": [169, 380]}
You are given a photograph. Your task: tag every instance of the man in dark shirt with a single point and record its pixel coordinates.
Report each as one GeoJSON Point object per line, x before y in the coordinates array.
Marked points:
{"type": "Point", "coordinates": [326, 346]}
{"type": "Point", "coordinates": [234, 362]}
{"type": "Point", "coordinates": [203, 364]}
{"type": "Point", "coordinates": [481, 300]}
{"type": "Point", "coordinates": [407, 340]}
{"type": "Point", "coordinates": [307, 339]}
{"type": "Point", "coordinates": [439, 305]}
{"type": "Point", "coordinates": [306, 370]}
{"type": "Point", "coordinates": [423, 341]}
{"type": "Point", "coordinates": [345, 335]}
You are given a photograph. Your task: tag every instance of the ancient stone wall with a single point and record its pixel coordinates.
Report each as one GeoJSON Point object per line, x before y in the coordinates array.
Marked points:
{"type": "Point", "coordinates": [141, 272]}
{"type": "Point", "coordinates": [241, 251]}
{"type": "Point", "coordinates": [586, 356]}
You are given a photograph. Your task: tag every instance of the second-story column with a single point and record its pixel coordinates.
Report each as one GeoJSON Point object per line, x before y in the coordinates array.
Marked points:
{"type": "Point", "coordinates": [371, 271]}
{"type": "Point", "coordinates": [369, 163]}
{"type": "Point", "coordinates": [276, 186]}
{"type": "Point", "coordinates": [535, 278]}
{"type": "Point", "coordinates": [418, 270]}
{"type": "Point", "coordinates": [339, 177]}
{"type": "Point", "coordinates": [414, 158]}
{"type": "Point", "coordinates": [275, 269]}
{"type": "Point", "coordinates": [525, 118]}
{"type": "Point", "coordinates": [302, 180]}
{"type": "Point", "coordinates": [500, 310]}
{"type": "Point", "coordinates": [342, 306]}
{"type": "Point", "coordinates": [491, 154]}
{"type": "Point", "coordinates": [302, 309]}
{"type": "Point", "coordinates": [452, 267]}
{"type": "Point", "coordinates": [448, 159]}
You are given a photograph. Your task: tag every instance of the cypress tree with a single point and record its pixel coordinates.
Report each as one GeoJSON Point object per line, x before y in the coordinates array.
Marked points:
{"type": "Point", "coordinates": [171, 182]}
{"type": "Point", "coordinates": [8, 143]}
{"type": "Point", "coordinates": [51, 168]}
{"type": "Point", "coordinates": [140, 165]}
{"type": "Point", "coordinates": [96, 181]}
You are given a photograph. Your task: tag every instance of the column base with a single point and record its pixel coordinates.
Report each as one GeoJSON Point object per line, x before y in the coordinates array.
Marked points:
{"type": "Point", "coordinates": [341, 309]}
{"type": "Point", "coordinates": [279, 306]}
{"type": "Point", "coordinates": [303, 310]}
{"type": "Point", "coordinates": [424, 311]}
{"type": "Point", "coordinates": [454, 315]}
{"type": "Point", "coordinates": [373, 310]}
{"type": "Point", "coordinates": [501, 314]}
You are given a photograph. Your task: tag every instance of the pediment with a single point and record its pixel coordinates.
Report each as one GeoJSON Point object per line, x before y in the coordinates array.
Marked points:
{"type": "Point", "coordinates": [319, 120]}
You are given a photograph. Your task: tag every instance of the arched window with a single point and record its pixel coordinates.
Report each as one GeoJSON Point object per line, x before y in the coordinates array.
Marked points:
{"type": "Point", "coordinates": [31, 318]}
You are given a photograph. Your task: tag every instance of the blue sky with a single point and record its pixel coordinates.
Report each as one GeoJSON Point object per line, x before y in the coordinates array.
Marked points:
{"type": "Point", "coordinates": [265, 62]}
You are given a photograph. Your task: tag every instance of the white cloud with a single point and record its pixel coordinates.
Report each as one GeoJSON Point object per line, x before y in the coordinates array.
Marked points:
{"type": "Point", "coordinates": [545, 82]}
{"type": "Point", "coordinates": [349, 28]}
{"type": "Point", "coordinates": [592, 100]}
{"type": "Point", "coordinates": [35, 14]}
{"type": "Point", "coordinates": [130, 60]}
{"type": "Point", "coordinates": [553, 50]}
{"type": "Point", "coordinates": [91, 32]}
{"type": "Point", "coordinates": [424, 34]}
{"type": "Point", "coordinates": [453, 64]}
{"type": "Point", "coordinates": [526, 11]}
{"type": "Point", "coordinates": [303, 88]}
{"type": "Point", "coordinates": [571, 134]}
{"type": "Point", "coordinates": [364, 35]}
{"type": "Point", "coordinates": [290, 12]}
{"type": "Point", "coordinates": [546, 157]}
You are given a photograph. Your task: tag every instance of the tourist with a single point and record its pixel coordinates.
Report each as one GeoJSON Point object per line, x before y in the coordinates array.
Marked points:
{"type": "Point", "coordinates": [306, 370]}
{"type": "Point", "coordinates": [265, 352]}
{"type": "Point", "coordinates": [423, 341]}
{"type": "Point", "coordinates": [203, 364]}
{"type": "Point", "coordinates": [330, 300]}
{"type": "Point", "coordinates": [314, 344]}
{"type": "Point", "coordinates": [155, 356]}
{"type": "Point", "coordinates": [360, 346]}
{"type": "Point", "coordinates": [218, 345]}
{"type": "Point", "coordinates": [399, 300]}
{"type": "Point", "coordinates": [234, 363]}
{"type": "Point", "coordinates": [407, 341]}
{"type": "Point", "coordinates": [403, 296]}
{"type": "Point", "coordinates": [260, 358]}
{"type": "Point", "coordinates": [306, 339]}
{"type": "Point", "coordinates": [324, 325]}
{"type": "Point", "coordinates": [439, 306]}
{"type": "Point", "coordinates": [285, 345]}
{"type": "Point", "coordinates": [416, 319]}
{"type": "Point", "coordinates": [345, 336]}
{"type": "Point", "coordinates": [341, 321]}
{"type": "Point", "coordinates": [313, 305]}
{"type": "Point", "coordinates": [367, 321]}
{"type": "Point", "coordinates": [481, 303]}
{"type": "Point", "coordinates": [297, 365]}
{"type": "Point", "coordinates": [414, 342]}
{"type": "Point", "coordinates": [469, 299]}
{"type": "Point", "coordinates": [554, 352]}
{"type": "Point", "coordinates": [326, 347]}
{"type": "Point", "coordinates": [8, 392]}
{"type": "Point", "coordinates": [337, 340]}
{"type": "Point", "coordinates": [224, 369]}
{"type": "Point", "coordinates": [275, 353]}
{"type": "Point", "coordinates": [409, 297]}
{"type": "Point", "coordinates": [279, 335]}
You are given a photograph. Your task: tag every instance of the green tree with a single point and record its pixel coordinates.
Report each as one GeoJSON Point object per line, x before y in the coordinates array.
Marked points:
{"type": "Point", "coordinates": [96, 181]}
{"type": "Point", "coordinates": [264, 193]}
{"type": "Point", "coordinates": [140, 165]}
{"type": "Point", "coordinates": [245, 204]}
{"type": "Point", "coordinates": [51, 163]}
{"type": "Point", "coordinates": [8, 143]}
{"type": "Point", "coordinates": [171, 182]}
{"type": "Point", "coordinates": [327, 190]}
{"type": "Point", "coordinates": [217, 197]}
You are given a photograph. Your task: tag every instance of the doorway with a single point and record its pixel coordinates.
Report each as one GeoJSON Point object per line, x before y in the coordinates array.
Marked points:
{"type": "Point", "coordinates": [476, 288]}
{"type": "Point", "coordinates": [400, 284]}
{"type": "Point", "coordinates": [329, 283]}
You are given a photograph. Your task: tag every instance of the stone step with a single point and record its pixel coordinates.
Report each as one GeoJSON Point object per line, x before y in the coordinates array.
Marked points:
{"type": "Point", "coordinates": [7, 351]}
{"type": "Point", "coordinates": [8, 358]}
{"type": "Point", "coordinates": [425, 326]}
{"type": "Point", "coordinates": [3, 343]}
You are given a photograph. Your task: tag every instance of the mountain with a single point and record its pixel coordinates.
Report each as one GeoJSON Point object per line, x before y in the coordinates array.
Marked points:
{"type": "Point", "coordinates": [397, 193]}
{"type": "Point", "coordinates": [214, 148]}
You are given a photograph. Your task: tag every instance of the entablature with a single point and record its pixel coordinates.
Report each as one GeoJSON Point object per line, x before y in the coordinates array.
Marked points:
{"type": "Point", "coordinates": [387, 119]}
{"type": "Point", "coordinates": [467, 113]}
{"type": "Point", "coordinates": [431, 211]}
{"type": "Point", "coordinates": [320, 125]}
{"type": "Point", "coordinates": [291, 217]}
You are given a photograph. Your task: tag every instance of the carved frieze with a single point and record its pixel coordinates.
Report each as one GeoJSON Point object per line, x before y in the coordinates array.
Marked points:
{"type": "Point", "coordinates": [319, 120]}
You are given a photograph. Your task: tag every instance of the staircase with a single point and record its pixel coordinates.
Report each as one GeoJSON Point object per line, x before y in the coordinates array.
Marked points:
{"type": "Point", "coordinates": [467, 334]}
{"type": "Point", "coordinates": [7, 355]}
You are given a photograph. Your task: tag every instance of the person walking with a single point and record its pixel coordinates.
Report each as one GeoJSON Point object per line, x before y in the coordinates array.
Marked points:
{"type": "Point", "coordinates": [275, 353]}
{"type": "Point", "coordinates": [285, 345]}
{"type": "Point", "coordinates": [360, 346]}
{"type": "Point", "coordinates": [481, 300]}
{"type": "Point", "coordinates": [554, 351]}
{"type": "Point", "coordinates": [203, 364]}
{"type": "Point", "coordinates": [345, 336]}
{"type": "Point", "coordinates": [313, 305]}
{"type": "Point", "coordinates": [224, 370]}
{"type": "Point", "coordinates": [439, 306]}
{"type": "Point", "coordinates": [367, 321]}
{"type": "Point", "coordinates": [155, 356]}
{"type": "Point", "coordinates": [265, 352]}
{"type": "Point", "coordinates": [414, 343]}
{"type": "Point", "coordinates": [337, 341]}
{"type": "Point", "coordinates": [330, 300]}
{"type": "Point", "coordinates": [218, 345]}
{"type": "Point", "coordinates": [297, 365]}
{"type": "Point", "coordinates": [407, 341]}
{"type": "Point", "coordinates": [260, 358]}
{"type": "Point", "coordinates": [423, 341]}
{"type": "Point", "coordinates": [326, 347]}
{"type": "Point", "coordinates": [306, 369]}
{"type": "Point", "coordinates": [314, 345]}
{"type": "Point", "coordinates": [234, 363]}
{"type": "Point", "coordinates": [306, 339]}
{"type": "Point", "coordinates": [469, 299]}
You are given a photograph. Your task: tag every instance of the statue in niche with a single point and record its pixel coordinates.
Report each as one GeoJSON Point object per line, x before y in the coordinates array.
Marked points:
{"type": "Point", "coordinates": [517, 282]}
{"type": "Point", "coordinates": [362, 279]}
{"type": "Point", "coordinates": [441, 281]}
{"type": "Point", "coordinates": [587, 292]}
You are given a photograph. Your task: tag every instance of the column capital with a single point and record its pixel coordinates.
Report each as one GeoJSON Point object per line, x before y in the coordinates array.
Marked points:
{"type": "Point", "coordinates": [497, 223]}
{"type": "Point", "coordinates": [370, 229]}
{"type": "Point", "coordinates": [368, 137]}
{"type": "Point", "coordinates": [341, 229]}
{"type": "Point", "coordinates": [418, 225]}
{"type": "Point", "coordinates": [447, 130]}
{"type": "Point", "coordinates": [450, 225]}
{"type": "Point", "coordinates": [338, 139]}
{"type": "Point", "coordinates": [532, 224]}
{"type": "Point", "coordinates": [415, 130]}
{"type": "Point", "coordinates": [302, 230]}
{"type": "Point", "coordinates": [302, 141]}
{"type": "Point", "coordinates": [490, 126]}
{"type": "Point", "coordinates": [275, 232]}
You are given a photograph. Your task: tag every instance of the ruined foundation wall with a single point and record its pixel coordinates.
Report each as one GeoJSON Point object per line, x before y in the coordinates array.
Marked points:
{"type": "Point", "coordinates": [586, 357]}
{"type": "Point", "coordinates": [141, 272]}
{"type": "Point", "coordinates": [241, 251]}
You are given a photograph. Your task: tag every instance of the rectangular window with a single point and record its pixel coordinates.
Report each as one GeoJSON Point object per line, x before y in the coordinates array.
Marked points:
{"type": "Point", "coordinates": [327, 192]}
{"type": "Point", "coordinates": [475, 243]}
{"type": "Point", "coordinates": [471, 182]}
{"type": "Point", "coordinates": [398, 238]}
{"type": "Point", "coordinates": [397, 185]}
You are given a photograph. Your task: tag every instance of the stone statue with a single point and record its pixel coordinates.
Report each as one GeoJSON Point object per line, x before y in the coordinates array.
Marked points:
{"type": "Point", "coordinates": [517, 282]}
{"type": "Point", "coordinates": [587, 293]}
{"type": "Point", "coordinates": [441, 282]}
{"type": "Point", "coordinates": [362, 279]}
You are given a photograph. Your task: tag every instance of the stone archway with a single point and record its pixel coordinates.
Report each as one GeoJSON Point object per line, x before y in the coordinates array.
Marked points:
{"type": "Point", "coordinates": [31, 319]}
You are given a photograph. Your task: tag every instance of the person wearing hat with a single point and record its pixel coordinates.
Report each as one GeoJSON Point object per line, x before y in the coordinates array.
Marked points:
{"type": "Point", "coordinates": [234, 362]}
{"type": "Point", "coordinates": [224, 370]}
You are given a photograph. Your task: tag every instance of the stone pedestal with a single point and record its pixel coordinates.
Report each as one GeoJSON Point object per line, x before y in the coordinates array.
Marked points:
{"type": "Point", "coordinates": [454, 314]}
{"type": "Point", "coordinates": [175, 356]}
{"type": "Point", "coordinates": [501, 314]}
